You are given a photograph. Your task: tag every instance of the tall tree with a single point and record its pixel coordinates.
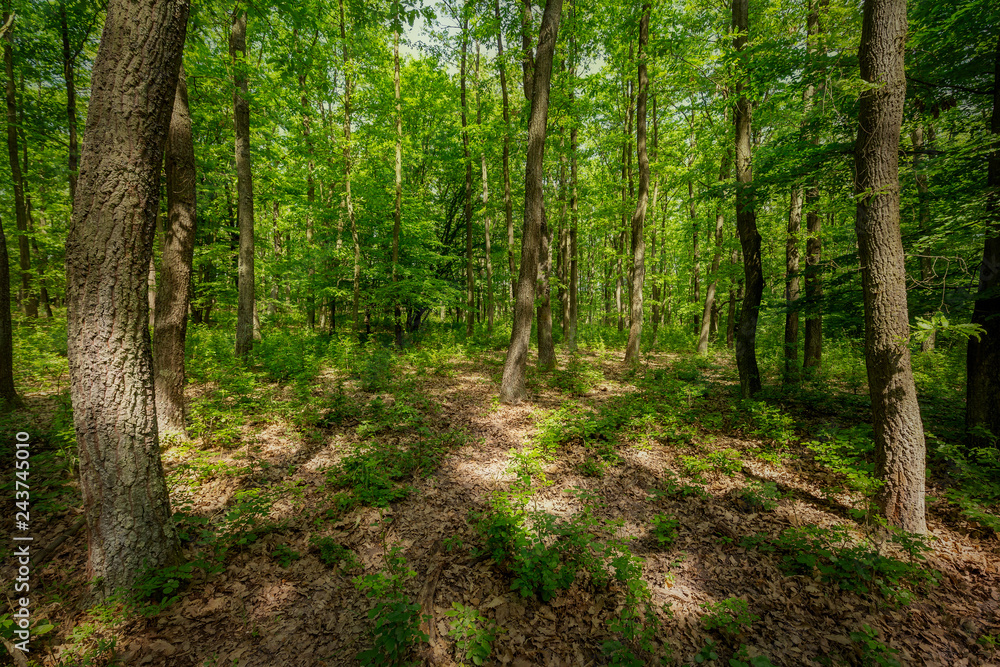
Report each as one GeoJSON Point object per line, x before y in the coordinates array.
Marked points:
{"type": "Point", "coordinates": [244, 184]}
{"type": "Point", "coordinates": [791, 355]}
{"type": "Point", "coordinates": [546, 346]}
{"type": "Point", "coordinates": [638, 272]}
{"type": "Point", "coordinates": [174, 294]}
{"type": "Point", "coordinates": [710, 307]}
{"type": "Point", "coordinates": [574, 270]}
{"type": "Point", "coordinates": [397, 220]}
{"type": "Point", "coordinates": [982, 407]}
{"type": "Point", "coordinates": [8, 394]}
{"type": "Point", "coordinates": [470, 279]}
{"type": "Point", "coordinates": [508, 205]}
{"type": "Point", "coordinates": [812, 344]}
{"type": "Point", "coordinates": [487, 221]}
{"type": "Point", "coordinates": [899, 435]}
{"type": "Point", "coordinates": [746, 219]}
{"type": "Point", "coordinates": [512, 384]}
{"type": "Point", "coordinates": [27, 297]}
{"type": "Point", "coordinates": [348, 201]}
{"type": "Point", "coordinates": [110, 241]}
{"type": "Point", "coordinates": [69, 75]}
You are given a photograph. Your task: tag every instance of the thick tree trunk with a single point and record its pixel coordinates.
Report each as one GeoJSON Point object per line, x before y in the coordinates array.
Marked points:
{"type": "Point", "coordinates": [27, 296]}
{"type": "Point", "coordinates": [508, 204]}
{"type": "Point", "coordinates": [512, 385]}
{"type": "Point", "coordinates": [899, 434]}
{"type": "Point", "coordinates": [108, 248]}
{"type": "Point", "coordinates": [791, 366]}
{"type": "Point", "coordinates": [983, 355]}
{"type": "Point", "coordinates": [69, 74]}
{"type": "Point", "coordinates": [546, 347]}
{"type": "Point", "coordinates": [746, 224]}
{"type": "Point", "coordinates": [709, 310]}
{"type": "Point", "coordinates": [8, 395]}
{"type": "Point", "coordinates": [170, 323]}
{"type": "Point", "coordinates": [245, 306]}
{"type": "Point", "coordinates": [638, 272]}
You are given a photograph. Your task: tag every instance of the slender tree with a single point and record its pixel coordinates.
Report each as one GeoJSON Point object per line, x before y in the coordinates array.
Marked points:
{"type": "Point", "coordinates": [110, 241]}
{"type": "Point", "coordinates": [397, 220]}
{"type": "Point", "coordinates": [574, 270]}
{"type": "Point", "coordinates": [746, 222]}
{"type": "Point", "coordinates": [69, 75]}
{"type": "Point", "coordinates": [812, 346]}
{"type": "Point", "coordinates": [710, 307]}
{"type": "Point", "coordinates": [8, 395]}
{"type": "Point", "coordinates": [982, 407]}
{"type": "Point", "coordinates": [638, 272]}
{"type": "Point", "coordinates": [791, 355]}
{"type": "Point", "coordinates": [244, 185]}
{"type": "Point", "coordinates": [508, 204]}
{"type": "Point", "coordinates": [546, 346]}
{"type": "Point", "coordinates": [173, 299]}
{"type": "Point", "coordinates": [470, 279]}
{"type": "Point", "coordinates": [487, 221]}
{"type": "Point", "coordinates": [512, 384]}
{"type": "Point", "coordinates": [899, 435]}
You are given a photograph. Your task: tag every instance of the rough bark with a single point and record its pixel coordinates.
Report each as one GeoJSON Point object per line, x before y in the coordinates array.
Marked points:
{"type": "Point", "coordinates": [746, 224]}
{"type": "Point", "coordinates": [397, 223]}
{"type": "Point", "coordinates": [27, 296]}
{"type": "Point", "coordinates": [245, 306]}
{"type": "Point", "coordinates": [899, 435]}
{"type": "Point", "coordinates": [170, 322]}
{"type": "Point", "coordinates": [812, 344]}
{"type": "Point", "coordinates": [791, 355]}
{"type": "Point", "coordinates": [574, 270]}
{"type": "Point", "coordinates": [108, 248]}
{"type": "Point", "coordinates": [983, 354]}
{"type": "Point", "coordinates": [8, 395]}
{"type": "Point", "coordinates": [638, 272]}
{"type": "Point", "coordinates": [512, 384]}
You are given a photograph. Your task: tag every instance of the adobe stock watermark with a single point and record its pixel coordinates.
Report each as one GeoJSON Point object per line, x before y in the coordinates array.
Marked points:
{"type": "Point", "coordinates": [22, 541]}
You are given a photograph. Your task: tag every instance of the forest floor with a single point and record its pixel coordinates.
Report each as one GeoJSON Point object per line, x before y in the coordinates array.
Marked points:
{"type": "Point", "coordinates": [745, 485]}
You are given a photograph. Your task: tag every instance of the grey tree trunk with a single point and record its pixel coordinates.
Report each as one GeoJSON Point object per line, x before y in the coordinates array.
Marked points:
{"type": "Point", "coordinates": [170, 322]}
{"type": "Point", "coordinates": [245, 307]}
{"type": "Point", "coordinates": [348, 201]}
{"type": "Point", "coordinates": [982, 408]}
{"type": "Point", "coordinates": [108, 248]}
{"type": "Point", "coordinates": [398, 210]}
{"type": "Point", "coordinates": [487, 222]}
{"type": "Point", "coordinates": [710, 309]}
{"type": "Point", "coordinates": [508, 204]}
{"type": "Point", "coordinates": [470, 276]}
{"type": "Point", "coordinates": [69, 74]}
{"type": "Point", "coordinates": [899, 434]}
{"type": "Point", "coordinates": [8, 395]}
{"type": "Point", "coordinates": [746, 224]}
{"type": "Point", "coordinates": [791, 366]}
{"type": "Point", "coordinates": [512, 384]}
{"type": "Point", "coordinates": [27, 295]}
{"type": "Point", "coordinates": [638, 272]}
{"type": "Point", "coordinates": [812, 348]}
{"type": "Point", "coordinates": [546, 346]}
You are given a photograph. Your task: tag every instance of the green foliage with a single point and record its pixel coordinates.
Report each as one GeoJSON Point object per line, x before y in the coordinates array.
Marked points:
{"type": "Point", "coordinates": [850, 452]}
{"type": "Point", "coordinates": [577, 379]}
{"type": "Point", "coordinates": [244, 521]}
{"type": "Point", "coordinates": [768, 422]}
{"type": "Point", "coordinates": [672, 487]}
{"type": "Point", "coordinates": [376, 370]}
{"type": "Point", "coordinates": [731, 617]}
{"type": "Point", "coordinates": [874, 652]}
{"type": "Point", "coordinates": [285, 555]}
{"type": "Point", "coordinates": [333, 553]}
{"type": "Point", "coordinates": [472, 641]}
{"type": "Point", "coordinates": [395, 619]}
{"type": "Point", "coordinates": [760, 496]}
{"type": "Point", "coordinates": [665, 529]}
{"type": "Point", "coordinates": [706, 653]}
{"type": "Point", "coordinates": [725, 462]}
{"type": "Point", "coordinates": [861, 568]}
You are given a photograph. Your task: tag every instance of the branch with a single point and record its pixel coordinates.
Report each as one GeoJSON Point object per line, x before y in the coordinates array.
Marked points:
{"type": "Point", "coordinates": [988, 91]}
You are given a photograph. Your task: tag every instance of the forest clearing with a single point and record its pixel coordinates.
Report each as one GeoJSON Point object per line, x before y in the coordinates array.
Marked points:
{"type": "Point", "coordinates": [575, 332]}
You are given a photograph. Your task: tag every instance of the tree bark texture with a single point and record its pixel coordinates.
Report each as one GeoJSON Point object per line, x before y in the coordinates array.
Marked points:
{"type": "Point", "coordinates": [470, 276]}
{"type": "Point", "coordinates": [397, 223]}
{"type": "Point", "coordinates": [487, 221]}
{"type": "Point", "coordinates": [899, 435]}
{"type": "Point", "coordinates": [983, 354]}
{"type": "Point", "coordinates": [812, 344]}
{"type": "Point", "coordinates": [244, 186]}
{"type": "Point", "coordinates": [108, 248]}
{"type": "Point", "coordinates": [69, 74]}
{"type": "Point", "coordinates": [508, 204]}
{"type": "Point", "coordinates": [546, 346]}
{"type": "Point", "coordinates": [638, 273]}
{"type": "Point", "coordinates": [512, 385]}
{"type": "Point", "coordinates": [713, 285]}
{"type": "Point", "coordinates": [8, 395]}
{"type": "Point", "coordinates": [791, 355]}
{"type": "Point", "coordinates": [746, 224]}
{"type": "Point", "coordinates": [170, 322]}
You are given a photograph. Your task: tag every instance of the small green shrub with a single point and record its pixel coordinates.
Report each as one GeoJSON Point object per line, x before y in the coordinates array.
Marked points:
{"type": "Point", "coordinates": [760, 496]}
{"type": "Point", "coordinates": [874, 652]}
{"type": "Point", "coordinates": [333, 554]}
{"type": "Point", "coordinates": [395, 619]}
{"type": "Point", "coordinates": [665, 529]}
{"type": "Point", "coordinates": [285, 555]}
{"type": "Point", "coordinates": [472, 641]}
{"type": "Point", "coordinates": [731, 617]}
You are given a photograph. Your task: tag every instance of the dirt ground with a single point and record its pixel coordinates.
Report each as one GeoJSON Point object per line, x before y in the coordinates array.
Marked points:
{"type": "Point", "coordinates": [256, 613]}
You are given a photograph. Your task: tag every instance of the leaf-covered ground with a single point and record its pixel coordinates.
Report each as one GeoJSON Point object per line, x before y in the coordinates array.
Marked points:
{"type": "Point", "coordinates": [270, 484]}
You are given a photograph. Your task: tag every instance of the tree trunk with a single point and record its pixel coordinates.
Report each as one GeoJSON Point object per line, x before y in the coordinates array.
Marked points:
{"type": "Point", "coordinates": [8, 395]}
{"type": "Point", "coordinates": [812, 348]}
{"type": "Point", "coordinates": [108, 248]}
{"type": "Point", "coordinates": [398, 211]}
{"type": "Point", "coordinates": [638, 272]}
{"type": "Point", "coordinates": [923, 207]}
{"type": "Point", "coordinates": [170, 323]}
{"type": "Point", "coordinates": [244, 186]}
{"type": "Point", "coordinates": [527, 58]}
{"type": "Point", "coordinates": [470, 278]}
{"type": "Point", "coordinates": [791, 366]}
{"type": "Point", "coordinates": [899, 435]}
{"type": "Point", "coordinates": [348, 202]}
{"type": "Point", "coordinates": [27, 296]}
{"type": "Point", "coordinates": [746, 224]}
{"type": "Point", "coordinates": [709, 309]}
{"type": "Point", "coordinates": [546, 347]}
{"type": "Point", "coordinates": [69, 66]}
{"type": "Point", "coordinates": [487, 222]}
{"type": "Point", "coordinates": [982, 411]}
{"type": "Point", "coordinates": [512, 385]}
{"type": "Point", "coordinates": [508, 204]}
